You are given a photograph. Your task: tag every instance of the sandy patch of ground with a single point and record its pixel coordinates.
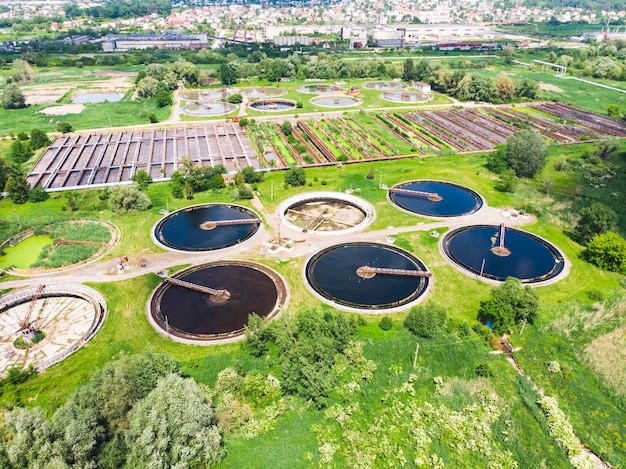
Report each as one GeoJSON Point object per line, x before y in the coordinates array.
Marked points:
{"type": "Point", "coordinates": [114, 73]}
{"type": "Point", "coordinates": [549, 87]}
{"type": "Point", "coordinates": [42, 98]}
{"type": "Point", "coordinates": [64, 109]}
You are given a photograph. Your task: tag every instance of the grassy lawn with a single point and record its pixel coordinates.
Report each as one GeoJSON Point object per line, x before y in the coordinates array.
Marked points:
{"type": "Point", "coordinates": [597, 415]}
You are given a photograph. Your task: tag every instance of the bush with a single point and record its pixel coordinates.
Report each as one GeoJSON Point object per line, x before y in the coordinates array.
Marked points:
{"type": "Point", "coordinates": [64, 127]}
{"type": "Point", "coordinates": [13, 98]}
{"type": "Point", "coordinates": [508, 304]}
{"type": "Point", "coordinates": [163, 98]}
{"type": "Point", "coordinates": [235, 98]}
{"type": "Point", "coordinates": [595, 219]}
{"type": "Point", "coordinates": [426, 320]}
{"type": "Point", "coordinates": [607, 251]}
{"type": "Point", "coordinates": [38, 139]}
{"type": "Point", "coordinates": [295, 177]}
{"type": "Point", "coordinates": [386, 323]}
{"type": "Point", "coordinates": [251, 176]}
{"type": "Point", "coordinates": [123, 199]}
{"type": "Point", "coordinates": [38, 194]}
{"type": "Point", "coordinates": [484, 370]}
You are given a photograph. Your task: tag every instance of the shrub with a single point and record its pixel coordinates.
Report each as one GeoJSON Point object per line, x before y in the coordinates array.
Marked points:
{"type": "Point", "coordinates": [38, 194]}
{"type": "Point", "coordinates": [235, 98]}
{"type": "Point", "coordinates": [426, 320]}
{"type": "Point", "coordinates": [386, 323]}
{"type": "Point", "coordinates": [295, 177]}
{"type": "Point", "coordinates": [123, 199]}
{"type": "Point", "coordinates": [607, 251]}
{"type": "Point", "coordinates": [64, 127]}
{"type": "Point", "coordinates": [484, 370]}
{"type": "Point", "coordinates": [595, 219]}
{"type": "Point", "coordinates": [507, 304]}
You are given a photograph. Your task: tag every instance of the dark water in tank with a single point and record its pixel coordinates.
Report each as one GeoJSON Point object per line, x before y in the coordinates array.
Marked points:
{"type": "Point", "coordinates": [332, 273]}
{"type": "Point", "coordinates": [532, 259]}
{"type": "Point", "coordinates": [182, 229]}
{"type": "Point", "coordinates": [456, 201]}
{"type": "Point", "coordinates": [251, 291]}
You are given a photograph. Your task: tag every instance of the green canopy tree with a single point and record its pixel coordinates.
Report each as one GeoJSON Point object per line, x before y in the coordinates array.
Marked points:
{"type": "Point", "coordinates": [509, 304]}
{"type": "Point", "coordinates": [608, 251]}
{"type": "Point", "coordinates": [13, 98]}
{"type": "Point", "coordinates": [526, 153]}
{"type": "Point", "coordinates": [173, 426]}
{"type": "Point", "coordinates": [595, 219]}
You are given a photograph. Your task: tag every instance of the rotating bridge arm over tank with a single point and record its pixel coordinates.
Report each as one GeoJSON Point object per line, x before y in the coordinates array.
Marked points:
{"type": "Point", "coordinates": [366, 271]}
{"type": "Point", "coordinates": [432, 196]}
{"type": "Point", "coordinates": [225, 294]}
{"type": "Point", "coordinates": [212, 224]}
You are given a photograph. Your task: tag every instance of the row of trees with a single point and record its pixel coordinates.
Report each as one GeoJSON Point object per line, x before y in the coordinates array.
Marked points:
{"type": "Point", "coordinates": [137, 412]}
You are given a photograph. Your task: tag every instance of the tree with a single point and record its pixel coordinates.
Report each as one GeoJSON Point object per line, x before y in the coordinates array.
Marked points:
{"type": "Point", "coordinates": [595, 219]}
{"type": "Point", "coordinates": [17, 188]}
{"type": "Point", "coordinates": [505, 88]}
{"type": "Point", "coordinates": [257, 335]}
{"type": "Point", "coordinates": [13, 98]}
{"type": "Point", "coordinates": [426, 320]}
{"type": "Point", "coordinates": [20, 152]}
{"type": "Point", "coordinates": [142, 179]}
{"type": "Point", "coordinates": [186, 71]}
{"type": "Point", "coordinates": [286, 128]}
{"type": "Point", "coordinates": [124, 199]}
{"type": "Point", "coordinates": [173, 426]}
{"type": "Point", "coordinates": [526, 153]}
{"type": "Point", "coordinates": [508, 304]}
{"type": "Point", "coordinates": [251, 176]}
{"type": "Point", "coordinates": [527, 88]}
{"type": "Point", "coordinates": [422, 70]}
{"type": "Point", "coordinates": [38, 139]}
{"type": "Point", "coordinates": [235, 98]}
{"type": "Point", "coordinates": [147, 87]}
{"type": "Point", "coordinates": [38, 194]}
{"type": "Point", "coordinates": [607, 251]}
{"type": "Point", "coordinates": [163, 98]}
{"type": "Point", "coordinates": [614, 111]}
{"type": "Point", "coordinates": [64, 127]}
{"type": "Point", "coordinates": [21, 71]}
{"type": "Point", "coordinates": [7, 169]}
{"type": "Point", "coordinates": [408, 70]}
{"type": "Point", "coordinates": [295, 177]}
{"type": "Point", "coordinates": [229, 73]}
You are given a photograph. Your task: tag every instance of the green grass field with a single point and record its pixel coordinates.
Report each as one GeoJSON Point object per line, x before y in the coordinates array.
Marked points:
{"type": "Point", "coordinates": [574, 312]}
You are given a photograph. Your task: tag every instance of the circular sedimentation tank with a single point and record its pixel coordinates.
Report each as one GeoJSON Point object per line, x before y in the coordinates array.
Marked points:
{"type": "Point", "coordinates": [272, 105]}
{"type": "Point", "coordinates": [405, 97]}
{"type": "Point", "coordinates": [367, 277]}
{"type": "Point", "coordinates": [237, 289]}
{"type": "Point", "coordinates": [62, 319]}
{"type": "Point", "coordinates": [319, 89]}
{"type": "Point", "coordinates": [326, 213]}
{"type": "Point", "coordinates": [385, 85]}
{"type": "Point", "coordinates": [336, 101]}
{"type": "Point", "coordinates": [263, 92]}
{"type": "Point", "coordinates": [206, 227]}
{"type": "Point", "coordinates": [495, 253]}
{"type": "Point", "coordinates": [435, 198]}
{"type": "Point", "coordinates": [208, 108]}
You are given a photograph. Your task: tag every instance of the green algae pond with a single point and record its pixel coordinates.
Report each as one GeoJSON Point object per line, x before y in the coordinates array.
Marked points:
{"type": "Point", "coordinates": [25, 253]}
